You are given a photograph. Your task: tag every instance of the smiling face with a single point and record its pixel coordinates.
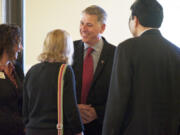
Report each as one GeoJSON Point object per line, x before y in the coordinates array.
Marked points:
{"type": "Point", "coordinates": [91, 29]}
{"type": "Point", "coordinates": [11, 55]}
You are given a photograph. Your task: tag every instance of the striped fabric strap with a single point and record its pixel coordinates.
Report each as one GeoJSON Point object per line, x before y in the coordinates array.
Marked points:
{"type": "Point", "coordinates": [60, 98]}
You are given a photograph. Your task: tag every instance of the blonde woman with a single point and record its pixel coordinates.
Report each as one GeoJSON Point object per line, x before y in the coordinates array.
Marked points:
{"type": "Point", "coordinates": [40, 89]}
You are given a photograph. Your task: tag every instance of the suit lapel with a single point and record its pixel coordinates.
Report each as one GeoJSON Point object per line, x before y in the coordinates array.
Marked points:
{"type": "Point", "coordinates": [101, 62]}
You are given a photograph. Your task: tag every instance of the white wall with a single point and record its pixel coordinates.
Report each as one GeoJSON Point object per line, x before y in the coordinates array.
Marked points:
{"type": "Point", "coordinates": [0, 11]}
{"type": "Point", "coordinates": [171, 24]}
{"type": "Point", "coordinates": [41, 16]}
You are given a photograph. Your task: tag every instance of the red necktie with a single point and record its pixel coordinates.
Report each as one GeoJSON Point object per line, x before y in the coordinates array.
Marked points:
{"type": "Point", "coordinates": [87, 75]}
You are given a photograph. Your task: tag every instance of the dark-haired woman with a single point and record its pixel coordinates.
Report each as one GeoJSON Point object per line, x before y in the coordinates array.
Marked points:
{"type": "Point", "coordinates": [11, 77]}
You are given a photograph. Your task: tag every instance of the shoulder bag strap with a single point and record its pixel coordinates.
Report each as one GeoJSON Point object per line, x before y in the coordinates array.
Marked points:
{"type": "Point", "coordinates": [60, 98]}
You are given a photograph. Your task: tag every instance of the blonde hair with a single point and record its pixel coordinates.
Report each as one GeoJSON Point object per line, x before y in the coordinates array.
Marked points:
{"type": "Point", "coordinates": [58, 47]}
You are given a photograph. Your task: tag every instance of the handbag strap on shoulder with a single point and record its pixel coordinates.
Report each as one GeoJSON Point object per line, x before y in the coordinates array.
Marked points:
{"type": "Point", "coordinates": [60, 98]}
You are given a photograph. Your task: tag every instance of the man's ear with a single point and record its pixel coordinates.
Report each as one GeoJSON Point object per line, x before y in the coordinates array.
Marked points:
{"type": "Point", "coordinates": [103, 26]}
{"type": "Point", "coordinates": [136, 21]}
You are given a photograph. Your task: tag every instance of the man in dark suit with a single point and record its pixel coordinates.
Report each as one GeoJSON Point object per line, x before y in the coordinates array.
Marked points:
{"type": "Point", "coordinates": [92, 88]}
{"type": "Point", "coordinates": [144, 95]}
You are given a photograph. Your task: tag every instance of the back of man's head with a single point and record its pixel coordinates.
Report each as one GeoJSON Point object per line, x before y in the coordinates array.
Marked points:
{"type": "Point", "coordinates": [148, 12]}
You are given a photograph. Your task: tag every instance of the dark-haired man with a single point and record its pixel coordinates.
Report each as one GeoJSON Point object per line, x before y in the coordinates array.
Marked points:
{"type": "Point", "coordinates": [144, 96]}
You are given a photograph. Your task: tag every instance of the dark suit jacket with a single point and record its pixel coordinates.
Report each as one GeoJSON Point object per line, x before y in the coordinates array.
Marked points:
{"type": "Point", "coordinates": [40, 99]}
{"type": "Point", "coordinates": [144, 96]}
{"type": "Point", "coordinates": [99, 90]}
{"type": "Point", "coordinates": [11, 105]}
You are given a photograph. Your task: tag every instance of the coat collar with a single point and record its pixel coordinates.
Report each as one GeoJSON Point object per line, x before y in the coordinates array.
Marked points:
{"type": "Point", "coordinates": [151, 32]}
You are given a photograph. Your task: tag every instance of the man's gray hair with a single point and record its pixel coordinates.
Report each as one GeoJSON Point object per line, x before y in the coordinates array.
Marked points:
{"type": "Point", "coordinates": [98, 11]}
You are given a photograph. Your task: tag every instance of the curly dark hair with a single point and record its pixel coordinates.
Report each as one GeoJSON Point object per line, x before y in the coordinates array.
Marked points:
{"type": "Point", "coordinates": [10, 35]}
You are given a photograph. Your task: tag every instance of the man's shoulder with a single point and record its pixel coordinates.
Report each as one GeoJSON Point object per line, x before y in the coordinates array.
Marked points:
{"type": "Point", "coordinates": [78, 45]}
{"type": "Point", "coordinates": [128, 42]}
{"type": "Point", "coordinates": [77, 42]}
{"type": "Point", "coordinates": [109, 45]}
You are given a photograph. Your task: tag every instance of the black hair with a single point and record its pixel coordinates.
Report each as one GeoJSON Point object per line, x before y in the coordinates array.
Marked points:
{"type": "Point", "coordinates": [10, 35]}
{"type": "Point", "coordinates": [148, 12]}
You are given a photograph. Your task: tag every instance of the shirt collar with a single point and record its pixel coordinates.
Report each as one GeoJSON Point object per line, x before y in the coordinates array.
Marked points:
{"type": "Point", "coordinates": [97, 47]}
